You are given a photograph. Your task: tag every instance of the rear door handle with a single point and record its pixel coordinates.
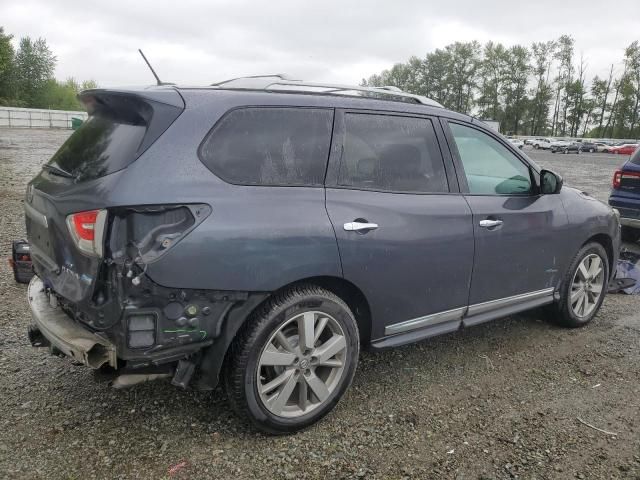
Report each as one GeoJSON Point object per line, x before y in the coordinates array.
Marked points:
{"type": "Point", "coordinates": [490, 223]}
{"type": "Point", "coordinates": [359, 227]}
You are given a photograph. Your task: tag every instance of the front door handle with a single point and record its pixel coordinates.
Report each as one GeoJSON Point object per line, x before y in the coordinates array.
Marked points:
{"type": "Point", "coordinates": [490, 223]}
{"type": "Point", "coordinates": [359, 226]}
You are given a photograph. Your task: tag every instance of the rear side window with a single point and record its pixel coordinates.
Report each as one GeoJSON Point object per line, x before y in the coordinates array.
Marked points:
{"type": "Point", "coordinates": [270, 146]}
{"type": "Point", "coordinates": [391, 153]}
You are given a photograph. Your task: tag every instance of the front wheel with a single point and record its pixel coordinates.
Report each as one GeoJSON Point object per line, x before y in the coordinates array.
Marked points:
{"type": "Point", "coordinates": [293, 360]}
{"type": "Point", "coordinates": [584, 286]}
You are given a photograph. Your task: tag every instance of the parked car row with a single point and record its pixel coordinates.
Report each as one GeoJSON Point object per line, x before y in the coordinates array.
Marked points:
{"type": "Point", "coordinates": [576, 146]}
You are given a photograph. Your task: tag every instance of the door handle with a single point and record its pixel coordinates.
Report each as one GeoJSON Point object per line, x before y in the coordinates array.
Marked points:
{"type": "Point", "coordinates": [490, 223]}
{"type": "Point", "coordinates": [359, 226]}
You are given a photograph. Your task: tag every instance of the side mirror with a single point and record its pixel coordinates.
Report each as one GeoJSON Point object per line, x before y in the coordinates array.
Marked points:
{"type": "Point", "coordinates": [550, 182]}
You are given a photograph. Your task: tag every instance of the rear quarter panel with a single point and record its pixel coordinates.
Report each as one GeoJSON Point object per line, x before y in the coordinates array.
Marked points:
{"type": "Point", "coordinates": [255, 239]}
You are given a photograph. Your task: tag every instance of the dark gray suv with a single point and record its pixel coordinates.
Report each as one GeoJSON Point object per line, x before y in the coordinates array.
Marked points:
{"type": "Point", "coordinates": [261, 231]}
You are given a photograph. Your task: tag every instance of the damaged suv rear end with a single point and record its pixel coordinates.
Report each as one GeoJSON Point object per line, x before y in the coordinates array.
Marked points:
{"type": "Point", "coordinates": [98, 221]}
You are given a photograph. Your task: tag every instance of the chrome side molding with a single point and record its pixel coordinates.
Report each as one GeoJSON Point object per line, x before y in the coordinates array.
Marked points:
{"type": "Point", "coordinates": [457, 314]}
{"type": "Point", "coordinates": [484, 307]}
{"type": "Point", "coordinates": [428, 320]}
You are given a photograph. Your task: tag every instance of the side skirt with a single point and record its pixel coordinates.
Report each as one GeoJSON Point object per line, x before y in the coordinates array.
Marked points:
{"type": "Point", "coordinates": [451, 320]}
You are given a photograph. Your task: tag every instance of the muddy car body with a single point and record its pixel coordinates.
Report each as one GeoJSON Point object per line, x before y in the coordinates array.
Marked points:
{"type": "Point", "coordinates": [267, 233]}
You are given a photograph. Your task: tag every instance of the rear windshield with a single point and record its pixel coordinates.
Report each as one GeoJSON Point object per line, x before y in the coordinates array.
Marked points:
{"type": "Point", "coordinates": [635, 157]}
{"type": "Point", "coordinates": [105, 143]}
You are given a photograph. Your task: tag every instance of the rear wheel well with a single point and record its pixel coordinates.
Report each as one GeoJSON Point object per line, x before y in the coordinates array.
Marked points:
{"type": "Point", "coordinates": [345, 290]}
{"type": "Point", "coordinates": [353, 297]}
{"type": "Point", "coordinates": [606, 242]}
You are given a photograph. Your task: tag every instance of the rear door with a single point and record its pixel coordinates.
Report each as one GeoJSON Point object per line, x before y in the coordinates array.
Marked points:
{"type": "Point", "coordinates": [517, 230]}
{"type": "Point", "coordinates": [404, 232]}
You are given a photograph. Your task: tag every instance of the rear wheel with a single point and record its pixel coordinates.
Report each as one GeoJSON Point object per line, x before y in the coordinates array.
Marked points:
{"type": "Point", "coordinates": [584, 286]}
{"type": "Point", "coordinates": [294, 360]}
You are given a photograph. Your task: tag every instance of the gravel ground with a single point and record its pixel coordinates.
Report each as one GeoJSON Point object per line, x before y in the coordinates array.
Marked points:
{"type": "Point", "coordinates": [501, 400]}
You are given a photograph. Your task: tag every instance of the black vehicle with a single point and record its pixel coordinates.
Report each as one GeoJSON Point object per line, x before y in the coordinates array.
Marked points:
{"type": "Point", "coordinates": [258, 232]}
{"type": "Point", "coordinates": [565, 147]}
{"type": "Point", "coordinates": [590, 147]}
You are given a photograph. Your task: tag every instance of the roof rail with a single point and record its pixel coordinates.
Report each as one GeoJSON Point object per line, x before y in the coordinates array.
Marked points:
{"type": "Point", "coordinates": [280, 82]}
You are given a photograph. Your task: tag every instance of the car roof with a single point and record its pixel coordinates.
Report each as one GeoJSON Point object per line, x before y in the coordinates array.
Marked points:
{"type": "Point", "coordinates": [261, 90]}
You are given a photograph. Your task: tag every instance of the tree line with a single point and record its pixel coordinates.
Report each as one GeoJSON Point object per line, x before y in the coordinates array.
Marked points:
{"type": "Point", "coordinates": [538, 90]}
{"type": "Point", "coordinates": [27, 77]}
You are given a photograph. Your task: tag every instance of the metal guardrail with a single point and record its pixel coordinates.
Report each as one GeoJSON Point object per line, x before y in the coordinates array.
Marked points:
{"type": "Point", "coordinates": [13, 117]}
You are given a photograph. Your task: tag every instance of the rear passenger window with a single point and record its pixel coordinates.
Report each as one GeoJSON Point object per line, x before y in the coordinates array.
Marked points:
{"type": "Point", "coordinates": [270, 146]}
{"type": "Point", "coordinates": [391, 153]}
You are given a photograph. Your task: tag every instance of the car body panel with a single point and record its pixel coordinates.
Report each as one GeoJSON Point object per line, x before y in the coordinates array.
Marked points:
{"type": "Point", "coordinates": [410, 266]}
{"type": "Point", "coordinates": [527, 249]}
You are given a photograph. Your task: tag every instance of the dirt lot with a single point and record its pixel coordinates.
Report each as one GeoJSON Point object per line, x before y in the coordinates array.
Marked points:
{"type": "Point", "coordinates": [500, 400]}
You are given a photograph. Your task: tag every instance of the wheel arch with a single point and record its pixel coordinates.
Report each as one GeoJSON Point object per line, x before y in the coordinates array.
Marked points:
{"type": "Point", "coordinates": [607, 243]}
{"type": "Point", "coordinates": [215, 357]}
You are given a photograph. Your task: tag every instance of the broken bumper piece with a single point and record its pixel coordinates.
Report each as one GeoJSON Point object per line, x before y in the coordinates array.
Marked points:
{"type": "Point", "coordinates": [64, 334]}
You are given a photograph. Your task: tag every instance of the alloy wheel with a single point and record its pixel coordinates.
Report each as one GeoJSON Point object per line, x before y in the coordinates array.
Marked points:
{"type": "Point", "coordinates": [301, 364]}
{"type": "Point", "coordinates": [587, 286]}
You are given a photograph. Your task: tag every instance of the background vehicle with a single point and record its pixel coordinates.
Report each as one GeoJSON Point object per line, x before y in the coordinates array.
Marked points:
{"type": "Point", "coordinates": [590, 147]}
{"type": "Point", "coordinates": [516, 142]}
{"type": "Point", "coordinates": [610, 148]}
{"type": "Point", "coordinates": [624, 149]}
{"type": "Point", "coordinates": [296, 227]}
{"type": "Point", "coordinates": [625, 196]}
{"type": "Point", "coordinates": [564, 146]}
{"type": "Point", "coordinates": [544, 143]}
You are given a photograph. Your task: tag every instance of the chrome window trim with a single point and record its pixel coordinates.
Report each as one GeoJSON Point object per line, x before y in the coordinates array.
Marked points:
{"type": "Point", "coordinates": [459, 313]}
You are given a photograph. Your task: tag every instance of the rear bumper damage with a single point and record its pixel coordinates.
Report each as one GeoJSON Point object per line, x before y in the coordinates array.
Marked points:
{"type": "Point", "coordinates": [177, 353]}
{"type": "Point", "coordinates": [64, 334]}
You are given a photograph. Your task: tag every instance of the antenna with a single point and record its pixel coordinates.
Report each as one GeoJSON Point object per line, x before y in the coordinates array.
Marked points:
{"type": "Point", "coordinates": [152, 70]}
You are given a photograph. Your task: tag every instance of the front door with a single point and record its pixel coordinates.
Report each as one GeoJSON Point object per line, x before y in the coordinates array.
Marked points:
{"type": "Point", "coordinates": [516, 229]}
{"type": "Point", "coordinates": [405, 239]}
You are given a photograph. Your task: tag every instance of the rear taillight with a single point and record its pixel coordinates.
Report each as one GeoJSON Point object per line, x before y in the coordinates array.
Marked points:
{"type": "Point", "coordinates": [621, 175]}
{"type": "Point", "coordinates": [617, 177]}
{"type": "Point", "coordinates": [87, 230]}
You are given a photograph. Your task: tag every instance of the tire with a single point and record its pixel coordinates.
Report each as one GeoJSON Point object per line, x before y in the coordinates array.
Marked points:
{"type": "Point", "coordinates": [591, 150]}
{"type": "Point", "coordinates": [535, 146]}
{"type": "Point", "coordinates": [565, 313]}
{"type": "Point", "coordinates": [253, 350]}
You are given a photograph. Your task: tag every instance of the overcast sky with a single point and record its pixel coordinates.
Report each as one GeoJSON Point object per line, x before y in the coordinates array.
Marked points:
{"type": "Point", "coordinates": [199, 42]}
